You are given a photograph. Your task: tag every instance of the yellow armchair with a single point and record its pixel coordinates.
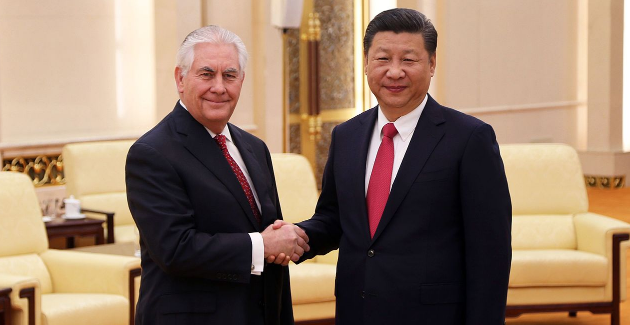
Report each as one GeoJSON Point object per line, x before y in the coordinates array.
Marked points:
{"type": "Point", "coordinates": [564, 258]}
{"type": "Point", "coordinates": [95, 174]}
{"type": "Point", "coordinates": [312, 282]}
{"type": "Point", "coordinates": [51, 287]}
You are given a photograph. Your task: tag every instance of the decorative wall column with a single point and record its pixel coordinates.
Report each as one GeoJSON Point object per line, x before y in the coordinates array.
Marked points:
{"type": "Point", "coordinates": [604, 160]}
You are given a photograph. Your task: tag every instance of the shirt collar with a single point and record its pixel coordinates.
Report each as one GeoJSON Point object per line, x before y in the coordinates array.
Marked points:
{"type": "Point", "coordinates": [225, 132]}
{"type": "Point", "coordinates": [405, 124]}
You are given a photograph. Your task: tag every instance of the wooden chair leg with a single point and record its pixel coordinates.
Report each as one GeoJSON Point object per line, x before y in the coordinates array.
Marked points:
{"type": "Point", "coordinates": [616, 294]}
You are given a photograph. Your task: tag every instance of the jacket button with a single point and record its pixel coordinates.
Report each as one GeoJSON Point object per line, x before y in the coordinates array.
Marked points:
{"type": "Point", "coordinates": [371, 253]}
{"type": "Point", "coordinates": [363, 294]}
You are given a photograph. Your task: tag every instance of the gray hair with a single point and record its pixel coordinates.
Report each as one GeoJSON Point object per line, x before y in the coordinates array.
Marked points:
{"type": "Point", "coordinates": [209, 34]}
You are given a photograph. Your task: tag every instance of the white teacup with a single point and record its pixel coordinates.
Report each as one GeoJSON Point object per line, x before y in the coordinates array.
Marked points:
{"type": "Point", "coordinates": [73, 206]}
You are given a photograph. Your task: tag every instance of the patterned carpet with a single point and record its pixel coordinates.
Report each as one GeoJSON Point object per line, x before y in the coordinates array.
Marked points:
{"type": "Point", "coordinates": [613, 203]}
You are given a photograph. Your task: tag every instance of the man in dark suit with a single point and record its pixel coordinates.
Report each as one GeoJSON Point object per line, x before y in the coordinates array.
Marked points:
{"type": "Point", "coordinates": [201, 191]}
{"type": "Point", "coordinates": [414, 195]}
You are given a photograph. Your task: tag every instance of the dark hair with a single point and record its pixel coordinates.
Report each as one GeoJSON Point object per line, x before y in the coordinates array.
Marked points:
{"type": "Point", "coordinates": [402, 20]}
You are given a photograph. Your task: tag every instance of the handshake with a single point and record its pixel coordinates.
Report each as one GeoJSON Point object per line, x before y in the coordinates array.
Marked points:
{"type": "Point", "coordinates": [284, 242]}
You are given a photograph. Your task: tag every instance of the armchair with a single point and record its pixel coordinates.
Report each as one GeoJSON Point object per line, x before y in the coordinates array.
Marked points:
{"type": "Point", "coordinates": [95, 174]}
{"type": "Point", "coordinates": [312, 282]}
{"type": "Point", "coordinates": [52, 287]}
{"type": "Point", "coordinates": [564, 258]}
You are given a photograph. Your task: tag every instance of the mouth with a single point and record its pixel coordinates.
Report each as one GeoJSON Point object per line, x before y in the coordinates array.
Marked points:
{"type": "Point", "coordinates": [395, 89]}
{"type": "Point", "coordinates": [215, 101]}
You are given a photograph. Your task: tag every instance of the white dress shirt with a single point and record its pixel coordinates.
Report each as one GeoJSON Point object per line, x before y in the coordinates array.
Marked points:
{"type": "Point", "coordinates": [258, 247]}
{"type": "Point", "coordinates": [405, 125]}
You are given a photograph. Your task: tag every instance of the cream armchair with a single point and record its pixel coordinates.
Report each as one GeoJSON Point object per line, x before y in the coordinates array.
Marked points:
{"type": "Point", "coordinates": [312, 282]}
{"type": "Point", "coordinates": [52, 287]}
{"type": "Point", "coordinates": [564, 258]}
{"type": "Point", "coordinates": [95, 174]}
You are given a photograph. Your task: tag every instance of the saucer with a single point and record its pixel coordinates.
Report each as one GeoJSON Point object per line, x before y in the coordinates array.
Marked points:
{"type": "Point", "coordinates": [77, 216]}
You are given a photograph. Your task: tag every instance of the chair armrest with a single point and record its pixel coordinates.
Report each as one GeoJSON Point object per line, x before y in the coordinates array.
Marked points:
{"type": "Point", "coordinates": [110, 222]}
{"type": "Point", "coordinates": [594, 232]}
{"type": "Point", "coordinates": [606, 236]}
{"type": "Point", "coordinates": [25, 297]}
{"type": "Point", "coordinates": [82, 272]}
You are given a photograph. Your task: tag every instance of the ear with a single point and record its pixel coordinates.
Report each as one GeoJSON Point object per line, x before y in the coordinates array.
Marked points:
{"type": "Point", "coordinates": [365, 62]}
{"type": "Point", "coordinates": [432, 63]}
{"type": "Point", "coordinates": [179, 80]}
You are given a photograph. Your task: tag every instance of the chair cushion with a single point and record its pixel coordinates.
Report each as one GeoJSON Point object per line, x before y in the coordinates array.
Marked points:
{"type": "Point", "coordinates": [543, 232]}
{"type": "Point", "coordinates": [557, 268]}
{"type": "Point", "coordinates": [312, 282]}
{"type": "Point", "coordinates": [20, 216]}
{"type": "Point", "coordinates": [111, 202]}
{"type": "Point", "coordinates": [556, 295]}
{"type": "Point", "coordinates": [81, 309]}
{"type": "Point", "coordinates": [126, 233]}
{"type": "Point", "coordinates": [544, 178]}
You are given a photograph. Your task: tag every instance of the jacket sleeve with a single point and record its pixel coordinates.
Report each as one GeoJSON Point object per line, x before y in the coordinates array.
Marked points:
{"type": "Point", "coordinates": [324, 228]}
{"type": "Point", "coordinates": [487, 218]}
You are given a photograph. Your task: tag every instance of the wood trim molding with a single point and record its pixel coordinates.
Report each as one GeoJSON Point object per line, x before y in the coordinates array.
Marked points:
{"type": "Point", "coordinates": [133, 274]}
{"type": "Point", "coordinates": [29, 294]}
{"type": "Point", "coordinates": [5, 306]}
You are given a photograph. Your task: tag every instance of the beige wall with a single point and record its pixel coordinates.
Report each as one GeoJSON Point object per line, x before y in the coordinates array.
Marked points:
{"type": "Point", "coordinates": [532, 69]}
{"type": "Point", "coordinates": [75, 69]}
{"type": "Point", "coordinates": [513, 64]}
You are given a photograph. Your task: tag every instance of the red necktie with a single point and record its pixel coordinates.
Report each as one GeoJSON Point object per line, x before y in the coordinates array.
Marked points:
{"type": "Point", "coordinates": [381, 178]}
{"type": "Point", "coordinates": [240, 176]}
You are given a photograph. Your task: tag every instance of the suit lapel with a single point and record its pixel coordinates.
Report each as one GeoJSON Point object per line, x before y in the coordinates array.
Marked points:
{"type": "Point", "coordinates": [200, 144]}
{"type": "Point", "coordinates": [426, 136]}
{"type": "Point", "coordinates": [361, 137]}
{"type": "Point", "coordinates": [256, 174]}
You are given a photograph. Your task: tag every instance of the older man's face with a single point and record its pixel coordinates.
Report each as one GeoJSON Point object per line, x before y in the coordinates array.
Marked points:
{"type": "Point", "coordinates": [212, 87]}
{"type": "Point", "coordinates": [399, 71]}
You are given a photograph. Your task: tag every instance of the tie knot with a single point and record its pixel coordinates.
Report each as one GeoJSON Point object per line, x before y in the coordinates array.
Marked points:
{"type": "Point", "coordinates": [220, 139]}
{"type": "Point", "coordinates": [389, 130]}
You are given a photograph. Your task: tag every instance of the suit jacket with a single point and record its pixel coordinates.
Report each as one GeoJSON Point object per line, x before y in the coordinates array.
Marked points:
{"type": "Point", "coordinates": [193, 218]}
{"type": "Point", "coordinates": [441, 253]}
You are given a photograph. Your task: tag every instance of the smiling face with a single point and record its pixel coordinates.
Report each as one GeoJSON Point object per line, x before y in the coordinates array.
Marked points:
{"type": "Point", "coordinates": [212, 86]}
{"type": "Point", "coordinates": [399, 71]}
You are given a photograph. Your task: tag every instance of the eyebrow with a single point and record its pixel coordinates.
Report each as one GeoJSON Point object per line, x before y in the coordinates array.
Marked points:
{"type": "Point", "coordinates": [206, 69]}
{"type": "Point", "coordinates": [387, 50]}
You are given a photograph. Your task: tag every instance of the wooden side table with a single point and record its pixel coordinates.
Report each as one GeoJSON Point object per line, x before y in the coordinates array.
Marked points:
{"type": "Point", "coordinates": [5, 306]}
{"type": "Point", "coordinates": [70, 228]}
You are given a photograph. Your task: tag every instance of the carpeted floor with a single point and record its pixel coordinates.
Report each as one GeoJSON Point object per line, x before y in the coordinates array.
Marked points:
{"type": "Point", "coordinates": [613, 203]}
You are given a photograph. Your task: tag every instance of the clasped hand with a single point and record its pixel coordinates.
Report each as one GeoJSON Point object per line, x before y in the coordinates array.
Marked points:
{"type": "Point", "coordinates": [284, 242]}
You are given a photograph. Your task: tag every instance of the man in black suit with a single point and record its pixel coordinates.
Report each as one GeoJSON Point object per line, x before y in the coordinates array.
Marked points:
{"type": "Point", "coordinates": [202, 193]}
{"type": "Point", "coordinates": [414, 196]}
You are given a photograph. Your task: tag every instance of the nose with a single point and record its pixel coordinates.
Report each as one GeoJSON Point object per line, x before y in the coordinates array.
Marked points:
{"type": "Point", "coordinates": [217, 86]}
{"type": "Point", "coordinates": [395, 71]}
